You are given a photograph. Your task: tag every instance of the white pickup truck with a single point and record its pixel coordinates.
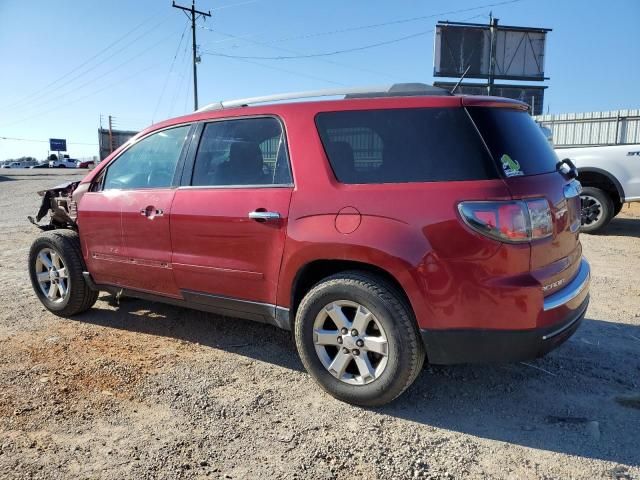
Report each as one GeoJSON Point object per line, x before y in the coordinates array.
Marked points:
{"type": "Point", "coordinates": [63, 163]}
{"type": "Point", "coordinates": [610, 177]}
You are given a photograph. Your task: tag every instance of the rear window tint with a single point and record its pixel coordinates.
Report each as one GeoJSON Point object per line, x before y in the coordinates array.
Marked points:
{"type": "Point", "coordinates": [404, 145]}
{"type": "Point", "coordinates": [517, 143]}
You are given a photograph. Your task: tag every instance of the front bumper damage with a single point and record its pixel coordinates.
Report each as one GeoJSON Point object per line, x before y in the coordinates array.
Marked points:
{"type": "Point", "coordinates": [58, 203]}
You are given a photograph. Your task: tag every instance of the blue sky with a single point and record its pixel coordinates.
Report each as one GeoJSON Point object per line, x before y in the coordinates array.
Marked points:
{"type": "Point", "coordinates": [50, 85]}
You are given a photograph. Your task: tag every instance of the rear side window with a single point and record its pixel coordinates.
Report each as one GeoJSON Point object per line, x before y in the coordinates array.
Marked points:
{"type": "Point", "coordinates": [404, 145]}
{"type": "Point", "coordinates": [517, 143]}
{"type": "Point", "coordinates": [242, 152]}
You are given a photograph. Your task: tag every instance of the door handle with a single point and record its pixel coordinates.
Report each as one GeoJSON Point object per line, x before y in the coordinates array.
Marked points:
{"type": "Point", "coordinates": [151, 212]}
{"type": "Point", "coordinates": [262, 216]}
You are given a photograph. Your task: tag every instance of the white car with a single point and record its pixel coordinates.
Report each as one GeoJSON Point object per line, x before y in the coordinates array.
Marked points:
{"type": "Point", "coordinates": [610, 177]}
{"type": "Point", "coordinates": [12, 165]}
{"type": "Point", "coordinates": [63, 163]}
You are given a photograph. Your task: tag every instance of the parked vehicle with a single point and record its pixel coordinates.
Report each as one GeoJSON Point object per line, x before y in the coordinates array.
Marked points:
{"type": "Point", "coordinates": [63, 163]}
{"type": "Point", "coordinates": [610, 177]}
{"type": "Point", "coordinates": [40, 165]}
{"type": "Point", "coordinates": [13, 165]}
{"type": "Point", "coordinates": [85, 164]}
{"type": "Point", "coordinates": [382, 228]}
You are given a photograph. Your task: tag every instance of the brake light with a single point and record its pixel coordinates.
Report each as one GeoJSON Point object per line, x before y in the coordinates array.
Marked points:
{"type": "Point", "coordinates": [540, 217]}
{"type": "Point", "coordinates": [509, 221]}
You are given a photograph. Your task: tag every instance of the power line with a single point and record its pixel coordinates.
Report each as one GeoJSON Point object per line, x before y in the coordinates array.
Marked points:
{"type": "Point", "coordinates": [393, 22]}
{"type": "Point", "coordinates": [323, 54]}
{"type": "Point", "coordinates": [40, 114]}
{"type": "Point", "coordinates": [268, 45]}
{"type": "Point", "coordinates": [42, 141]}
{"type": "Point", "coordinates": [361, 27]}
{"type": "Point", "coordinates": [193, 15]}
{"type": "Point", "coordinates": [186, 97]}
{"type": "Point", "coordinates": [292, 72]}
{"type": "Point", "coordinates": [38, 93]}
{"type": "Point", "coordinates": [226, 40]}
{"type": "Point", "coordinates": [231, 5]}
{"type": "Point", "coordinates": [249, 60]}
{"type": "Point", "coordinates": [327, 54]}
{"type": "Point", "coordinates": [166, 81]}
{"type": "Point", "coordinates": [102, 75]}
{"type": "Point", "coordinates": [180, 79]}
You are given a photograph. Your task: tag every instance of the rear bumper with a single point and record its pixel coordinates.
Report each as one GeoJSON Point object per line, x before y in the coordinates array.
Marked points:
{"type": "Point", "coordinates": [447, 347]}
{"type": "Point", "coordinates": [574, 290]}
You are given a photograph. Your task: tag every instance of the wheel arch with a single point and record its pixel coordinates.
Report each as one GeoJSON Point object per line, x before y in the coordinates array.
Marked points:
{"type": "Point", "coordinates": [599, 178]}
{"type": "Point", "coordinates": [313, 271]}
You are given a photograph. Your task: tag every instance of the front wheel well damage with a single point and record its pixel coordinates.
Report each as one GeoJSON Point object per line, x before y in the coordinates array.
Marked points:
{"type": "Point", "coordinates": [315, 271]}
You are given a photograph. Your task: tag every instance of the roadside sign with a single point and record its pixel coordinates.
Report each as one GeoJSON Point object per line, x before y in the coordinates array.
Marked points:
{"type": "Point", "coordinates": [498, 51]}
{"type": "Point", "coordinates": [58, 144]}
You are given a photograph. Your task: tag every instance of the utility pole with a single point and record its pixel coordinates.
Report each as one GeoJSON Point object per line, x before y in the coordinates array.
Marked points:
{"type": "Point", "coordinates": [493, 29]}
{"type": "Point", "coordinates": [110, 134]}
{"type": "Point", "coordinates": [193, 16]}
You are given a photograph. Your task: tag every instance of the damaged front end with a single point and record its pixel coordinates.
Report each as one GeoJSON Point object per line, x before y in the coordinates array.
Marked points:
{"type": "Point", "coordinates": [60, 203]}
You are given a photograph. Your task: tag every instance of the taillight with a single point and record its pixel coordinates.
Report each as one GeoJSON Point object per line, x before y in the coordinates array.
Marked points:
{"type": "Point", "coordinates": [509, 221]}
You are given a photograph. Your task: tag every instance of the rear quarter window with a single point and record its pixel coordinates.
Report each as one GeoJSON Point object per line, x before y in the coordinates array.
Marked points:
{"type": "Point", "coordinates": [404, 145]}
{"type": "Point", "coordinates": [517, 144]}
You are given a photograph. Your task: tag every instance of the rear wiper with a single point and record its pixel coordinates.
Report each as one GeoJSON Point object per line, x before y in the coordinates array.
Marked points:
{"type": "Point", "coordinates": [567, 167]}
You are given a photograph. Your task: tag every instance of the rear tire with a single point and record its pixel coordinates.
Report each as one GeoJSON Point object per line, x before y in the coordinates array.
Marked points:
{"type": "Point", "coordinates": [383, 359]}
{"type": "Point", "coordinates": [597, 209]}
{"type": "Point", "coordinates": [55, 268]}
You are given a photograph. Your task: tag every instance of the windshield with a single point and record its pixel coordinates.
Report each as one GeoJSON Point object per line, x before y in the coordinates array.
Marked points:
{"type": "Point", "coordinates": [516, 142]}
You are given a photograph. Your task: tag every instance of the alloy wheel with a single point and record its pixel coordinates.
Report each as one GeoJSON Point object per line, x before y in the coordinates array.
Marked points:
{"type": "Point", "coordinates": [52, 275]}
{"type": "Point", "coordinates": [350, 342]}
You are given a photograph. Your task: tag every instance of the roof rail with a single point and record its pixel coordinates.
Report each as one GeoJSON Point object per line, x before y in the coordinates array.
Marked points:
{"type": "Point", "coordinates": [395, 90]}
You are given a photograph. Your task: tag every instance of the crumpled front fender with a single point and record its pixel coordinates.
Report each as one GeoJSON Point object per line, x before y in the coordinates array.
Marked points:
{"type": "Point", "coordinates": [57, 202]}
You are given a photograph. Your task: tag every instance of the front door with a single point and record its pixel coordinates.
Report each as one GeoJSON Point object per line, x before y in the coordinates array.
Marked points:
{"type": "Point", "coordinates": [228, 224]}
{"type": "Point", "coordinates": [137, 188]}
{"type": "Point", "coordinates": [99, 220]}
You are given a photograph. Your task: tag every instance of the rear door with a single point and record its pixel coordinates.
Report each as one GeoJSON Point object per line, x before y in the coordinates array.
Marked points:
{"type": "Point", "coordinates": [229, 219]}
{"type": "Point", "coordinates": [140, 185]}
{"type": "Point", "coordinates": [529, 166]}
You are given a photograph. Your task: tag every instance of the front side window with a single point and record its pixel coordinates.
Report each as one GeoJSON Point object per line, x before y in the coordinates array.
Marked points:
{"type": "Point", "coordinates": [150, 163]}
{"type": "Point", "coordinates": [404, 145]}
{"type": "Point", "coordinates": [243, 152]}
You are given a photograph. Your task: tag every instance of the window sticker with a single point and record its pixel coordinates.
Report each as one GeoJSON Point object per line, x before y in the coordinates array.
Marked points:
{"type": "Point", "coordinates": [510, 166]}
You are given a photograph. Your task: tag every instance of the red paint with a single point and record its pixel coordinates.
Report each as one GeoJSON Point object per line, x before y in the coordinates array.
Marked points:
{"type": "Point", "coordinates": [454, 277]}
{"type": "Point", "coordinates": [217, 249]}
{"type": "Point", "coordinates": [348, 220]}
{"type": "Point", "coordinates": [124, 248]}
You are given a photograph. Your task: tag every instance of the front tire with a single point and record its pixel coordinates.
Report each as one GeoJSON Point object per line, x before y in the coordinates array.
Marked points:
{"type": "Point", "coordinates": [597, 209]}
{"type": "Point", "coordinates": [358, 338]}
{"type": "Point", "coordinates": [55, 268]}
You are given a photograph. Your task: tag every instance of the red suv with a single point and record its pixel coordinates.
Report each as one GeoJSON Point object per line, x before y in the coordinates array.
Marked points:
{"type": "Point", "coordinates": [380, 228]}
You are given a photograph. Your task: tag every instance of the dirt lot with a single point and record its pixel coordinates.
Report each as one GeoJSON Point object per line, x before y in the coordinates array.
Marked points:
{"type": "Point", "coordinates": [143, 390]}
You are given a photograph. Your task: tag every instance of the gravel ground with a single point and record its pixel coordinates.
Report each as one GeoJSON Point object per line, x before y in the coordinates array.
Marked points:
{"type": "Point", "coordinates": [144, 390]}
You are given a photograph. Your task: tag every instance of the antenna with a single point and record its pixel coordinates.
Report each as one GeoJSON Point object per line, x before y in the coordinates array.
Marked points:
{"type": "Point", "coordinates": [453, 90]}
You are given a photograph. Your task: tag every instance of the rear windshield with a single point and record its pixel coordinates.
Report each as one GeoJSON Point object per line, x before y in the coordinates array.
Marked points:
{"type": "Point", "coordinates": [404, 145]}
{"type": "Point", "coordinates": [516, 142]}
